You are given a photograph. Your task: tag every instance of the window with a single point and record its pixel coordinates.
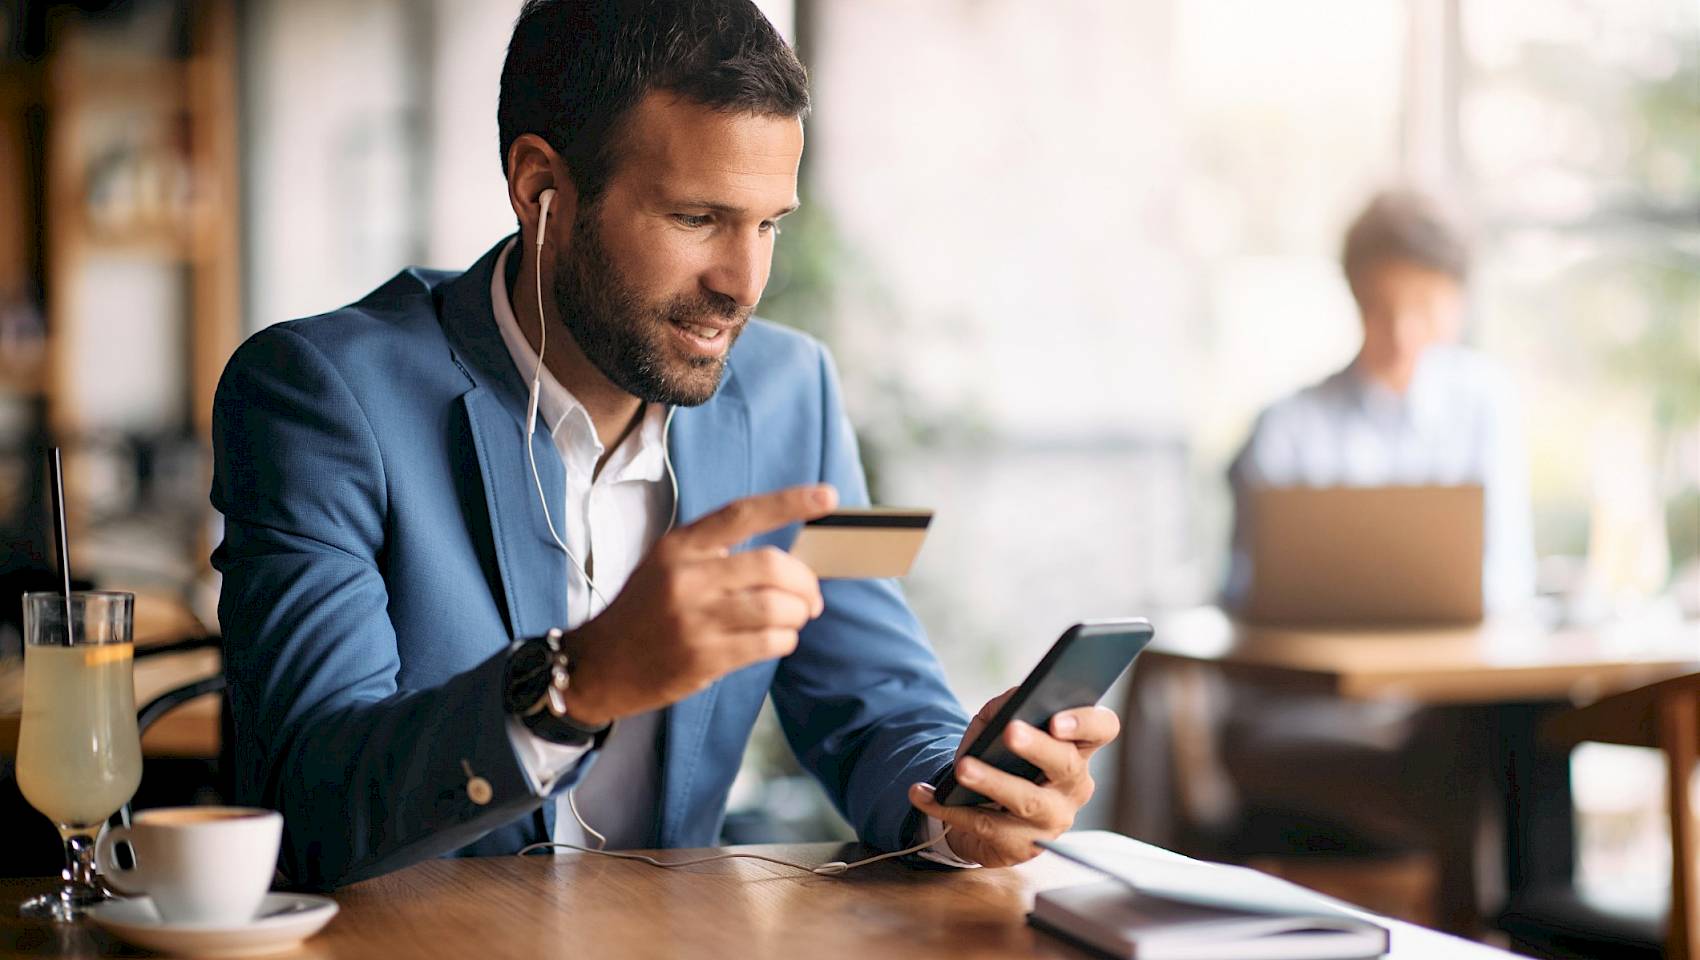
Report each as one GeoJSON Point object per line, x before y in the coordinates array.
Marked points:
{"type": "Point", "coordinates": [1580, 148]}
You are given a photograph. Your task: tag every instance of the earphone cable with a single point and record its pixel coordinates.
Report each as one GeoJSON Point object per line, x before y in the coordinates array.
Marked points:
{"type": "Point", "coordinates": [531, 407]}
{"type": "Point", "coordinates": [572, 804]}
{"type": "Point", "coordinates": [831, 869]}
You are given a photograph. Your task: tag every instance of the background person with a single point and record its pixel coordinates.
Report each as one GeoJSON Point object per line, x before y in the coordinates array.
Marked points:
{"type": "Point", "coordinates": [1412, 408]}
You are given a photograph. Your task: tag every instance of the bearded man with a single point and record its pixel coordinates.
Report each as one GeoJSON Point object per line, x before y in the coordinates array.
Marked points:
{"type": "Point", "coordinates": [503, 557]}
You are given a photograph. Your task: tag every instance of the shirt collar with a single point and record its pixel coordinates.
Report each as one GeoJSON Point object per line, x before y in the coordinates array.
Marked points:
{"type": "Point", "coordinates": [640, 457]}
{"type": "Point", "coordinates": [1422, 404]}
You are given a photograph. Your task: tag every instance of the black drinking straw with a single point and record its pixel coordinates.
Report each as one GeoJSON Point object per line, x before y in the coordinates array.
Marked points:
{"type": "Point", "coordinates": [64, 542]}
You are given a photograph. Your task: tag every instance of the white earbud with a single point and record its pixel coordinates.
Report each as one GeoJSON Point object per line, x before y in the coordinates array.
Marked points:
{"type": "Point", "coordinates": [544, 200]}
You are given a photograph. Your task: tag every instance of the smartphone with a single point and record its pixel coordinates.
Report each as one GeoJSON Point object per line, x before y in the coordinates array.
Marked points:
{"type": "Point", "coordinates": [1079, 669]}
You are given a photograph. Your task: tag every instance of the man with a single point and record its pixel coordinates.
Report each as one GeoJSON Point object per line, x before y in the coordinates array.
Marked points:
{"type": "Point", "coordinates": [406, 520]}
{"type": "Point", "coordinates": [1412, 407]}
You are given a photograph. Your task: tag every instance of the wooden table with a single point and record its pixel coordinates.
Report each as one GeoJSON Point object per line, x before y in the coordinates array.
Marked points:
{"type": "Point", "coordinates": [191, 730]}
{"type": "Point", "coordinates": [583, 906]}
{"type": "Point", "coordinates": [1494, 662]}
{"type": "Point", "coordinates": [1509, 675]}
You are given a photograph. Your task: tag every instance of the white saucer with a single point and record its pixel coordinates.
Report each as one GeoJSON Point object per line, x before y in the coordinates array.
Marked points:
{"type": "Point", "coordinates": [282, 922]}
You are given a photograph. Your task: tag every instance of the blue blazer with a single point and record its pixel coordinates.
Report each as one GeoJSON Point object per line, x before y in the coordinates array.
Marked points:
{"type": "Point", "coordinates": [383, 545]}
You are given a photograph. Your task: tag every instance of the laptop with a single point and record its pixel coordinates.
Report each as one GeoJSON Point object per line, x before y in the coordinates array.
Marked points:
{"type": "Point", "coordinates": [1366, 555]}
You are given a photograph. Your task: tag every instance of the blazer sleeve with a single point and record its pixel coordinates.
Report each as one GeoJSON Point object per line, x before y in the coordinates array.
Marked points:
{"type": "Point", "coordinates": [369, 776]}
{"type": "Point", "coordinates": [863, 700]}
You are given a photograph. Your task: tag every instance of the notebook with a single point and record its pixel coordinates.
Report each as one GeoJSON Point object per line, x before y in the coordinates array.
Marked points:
{"type": "Point", "coordinates": [1156, 909]}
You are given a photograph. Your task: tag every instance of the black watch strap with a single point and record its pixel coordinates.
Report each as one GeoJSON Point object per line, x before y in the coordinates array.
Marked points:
{"type": "Point", "coordinates": [539, 672]}
{"type": "Point", "coordinates": [562, 730]}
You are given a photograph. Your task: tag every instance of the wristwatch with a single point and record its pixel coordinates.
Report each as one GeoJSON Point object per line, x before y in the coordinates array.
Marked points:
{"type": "Point", "coordinates": [538, 674]}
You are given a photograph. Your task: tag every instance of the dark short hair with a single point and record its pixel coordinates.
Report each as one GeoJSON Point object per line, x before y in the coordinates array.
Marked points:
{"type": "Point", "coordinates": [576, 68]}
{"type": "Point", "coordinates": [1409, 226]}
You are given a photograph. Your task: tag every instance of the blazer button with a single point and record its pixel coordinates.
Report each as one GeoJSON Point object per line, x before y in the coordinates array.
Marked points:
{"type": "Point", "coordinates": [478, 789]}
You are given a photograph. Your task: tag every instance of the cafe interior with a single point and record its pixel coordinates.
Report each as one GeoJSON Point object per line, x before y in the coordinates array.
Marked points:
{"type": "Point", "coordinates": [1077, 264]}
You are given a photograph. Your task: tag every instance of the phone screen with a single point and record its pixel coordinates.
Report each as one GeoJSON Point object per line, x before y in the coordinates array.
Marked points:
{"type": "Point", "coordinates": [1077, 671]}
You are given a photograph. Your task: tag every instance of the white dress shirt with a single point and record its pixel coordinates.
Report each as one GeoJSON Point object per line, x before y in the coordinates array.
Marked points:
{"type": "Point", "coordinates": [1457, 423]}
{"type": "Point", "coordinates": [612, 519]}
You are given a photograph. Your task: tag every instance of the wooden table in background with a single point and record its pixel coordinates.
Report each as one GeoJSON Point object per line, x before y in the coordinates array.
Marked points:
{"type": "Point", "coordinates": [1509, 673]}
{"type": "Point", "coordinates": [1490, 663]}
{"type": "Point", "coordinates": [583, 906]}
{"type": "Point", "coordinates": [191, 730]}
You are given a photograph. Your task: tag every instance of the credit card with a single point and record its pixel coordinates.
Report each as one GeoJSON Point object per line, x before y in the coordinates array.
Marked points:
{"type": "Point", "coordinates": [864, 542]}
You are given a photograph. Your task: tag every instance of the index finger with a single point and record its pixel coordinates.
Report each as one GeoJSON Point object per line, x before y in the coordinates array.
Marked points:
{"type": "Point", "coordinates": [742, 519]}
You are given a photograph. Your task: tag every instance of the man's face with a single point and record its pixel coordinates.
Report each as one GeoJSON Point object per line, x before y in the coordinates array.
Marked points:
{"type": "Point", "coordinates": [1406, 309]}
{"type": "Point", "coordinates": [663, 271]}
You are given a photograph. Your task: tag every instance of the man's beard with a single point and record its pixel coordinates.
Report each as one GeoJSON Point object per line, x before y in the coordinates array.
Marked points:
{"type": "Point", "coordinates": [626, 337]}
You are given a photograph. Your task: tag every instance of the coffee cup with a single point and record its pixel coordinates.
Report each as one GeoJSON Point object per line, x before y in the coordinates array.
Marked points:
{"type": "Point", "coordinates": [202, 865]}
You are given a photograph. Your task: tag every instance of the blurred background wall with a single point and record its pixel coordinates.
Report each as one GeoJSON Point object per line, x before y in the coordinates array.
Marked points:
{"type": "Point", "coordinates": [1063, 253]}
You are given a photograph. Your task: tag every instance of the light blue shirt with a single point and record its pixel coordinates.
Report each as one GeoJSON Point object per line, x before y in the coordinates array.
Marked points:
{"type": "Point", "coordinates": [1458, 423]}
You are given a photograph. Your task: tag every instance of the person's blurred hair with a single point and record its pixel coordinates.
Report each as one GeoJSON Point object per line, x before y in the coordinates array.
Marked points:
{"type": "Point", "coordinates": [1409, 226]}
{"type": "Point", "coordinates": [576, 68]}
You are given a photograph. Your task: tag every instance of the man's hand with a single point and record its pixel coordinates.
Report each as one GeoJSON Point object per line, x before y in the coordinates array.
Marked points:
{"type": "Point", "coordinates": [693, 611]}
{"type": "Point", "coordinates": [1029, 811]}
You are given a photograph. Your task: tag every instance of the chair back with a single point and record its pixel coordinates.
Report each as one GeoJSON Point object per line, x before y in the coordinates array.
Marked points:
{"type": "Point", "coordinates": [164, 703]}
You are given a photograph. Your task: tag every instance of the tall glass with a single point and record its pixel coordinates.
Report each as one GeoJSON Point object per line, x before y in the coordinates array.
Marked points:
{"type": "Point", "coordinates": [79, 755]}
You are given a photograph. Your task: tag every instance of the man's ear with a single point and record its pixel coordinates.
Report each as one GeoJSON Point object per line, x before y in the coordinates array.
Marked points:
{"type": "Point", "coordinates": [533, 167]}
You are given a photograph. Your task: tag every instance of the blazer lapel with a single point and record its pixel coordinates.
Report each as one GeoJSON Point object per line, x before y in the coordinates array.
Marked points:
{"type": "Point", "coordinates": [532, 568]}
{"type": "Point", "coordinates": [710, 450]}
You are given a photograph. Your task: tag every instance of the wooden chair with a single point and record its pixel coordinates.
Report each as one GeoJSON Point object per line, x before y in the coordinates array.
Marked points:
{"type": "Point", "coordinates": [1666, 716]}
